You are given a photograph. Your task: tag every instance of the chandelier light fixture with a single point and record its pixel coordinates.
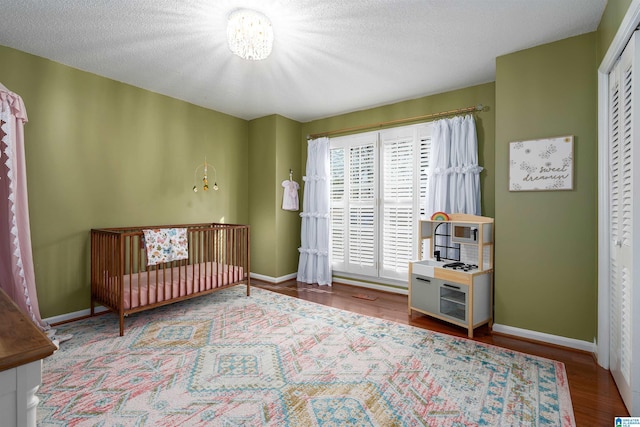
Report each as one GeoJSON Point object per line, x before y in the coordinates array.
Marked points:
{"type": "Point", "coordinates": [250, 34]}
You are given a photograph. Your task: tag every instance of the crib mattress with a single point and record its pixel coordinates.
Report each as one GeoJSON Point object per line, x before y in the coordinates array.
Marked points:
{"type": "Point", "coordinates": [163, 284]}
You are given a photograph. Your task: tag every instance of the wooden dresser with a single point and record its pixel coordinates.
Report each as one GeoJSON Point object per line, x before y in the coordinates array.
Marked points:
{"type": "Point", "coordinates": [22, 348]}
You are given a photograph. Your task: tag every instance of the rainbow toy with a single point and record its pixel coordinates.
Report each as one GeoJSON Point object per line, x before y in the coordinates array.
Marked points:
{"type": "Point", "coordinates": [439, 216]}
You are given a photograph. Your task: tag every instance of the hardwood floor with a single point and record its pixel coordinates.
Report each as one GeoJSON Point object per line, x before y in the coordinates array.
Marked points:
{"type": "Point", "coordinates": [595, 398]}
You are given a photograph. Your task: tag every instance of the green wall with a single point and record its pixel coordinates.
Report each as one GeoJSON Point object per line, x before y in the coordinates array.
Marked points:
{"type": "Point", "coordinates": [101, 153]}
{"type": "Point", "coordinates": [262, 193]}
{"type": "Point", "coordinates": [485, 123]}
{"type": "Point", "coordinates": [288, 223]}
{"type": "Point", "coordinates": [278, 144]}
{"type": "Point", "coordinates": [546, 241]}
{"type": "Point", "coordinates": [609, 24]}
{"type": "Point", "coordinates": [275, 233]}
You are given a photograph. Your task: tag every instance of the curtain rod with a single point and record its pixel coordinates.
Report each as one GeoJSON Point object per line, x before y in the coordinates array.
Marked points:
{"type": "Point", "coordinates": [478, 107]}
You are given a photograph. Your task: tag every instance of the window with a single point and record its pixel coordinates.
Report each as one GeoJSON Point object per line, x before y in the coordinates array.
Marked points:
{"type": "Point", "coordinates": [378, 192]}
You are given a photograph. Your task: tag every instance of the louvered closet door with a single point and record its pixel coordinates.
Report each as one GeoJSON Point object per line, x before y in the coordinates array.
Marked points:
{"type": "Point", "coordinates": [624, 119]}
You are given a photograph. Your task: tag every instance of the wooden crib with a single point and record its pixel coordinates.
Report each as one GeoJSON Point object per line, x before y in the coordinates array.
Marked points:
{"type": "Point", "coordinates": [217, 257]}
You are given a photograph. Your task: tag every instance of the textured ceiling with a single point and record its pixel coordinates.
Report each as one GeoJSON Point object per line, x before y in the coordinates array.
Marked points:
{"type": "Point", "coordinates": [329, 56]}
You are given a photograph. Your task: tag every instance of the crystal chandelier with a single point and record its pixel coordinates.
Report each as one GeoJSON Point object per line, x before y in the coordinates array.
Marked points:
{"type": "Point", "coordinates": [250, 34]}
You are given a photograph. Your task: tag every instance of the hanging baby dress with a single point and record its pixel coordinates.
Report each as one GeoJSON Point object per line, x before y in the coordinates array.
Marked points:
{"type": "Point", "coordinates": [290, 197]}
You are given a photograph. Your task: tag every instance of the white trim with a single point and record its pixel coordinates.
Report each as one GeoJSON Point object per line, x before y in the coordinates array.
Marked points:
{"type": "Point", "coordinates": [624, 33]}
{"type": "Point", "coordinates": [625, 30]}
{"type": "Point", "coordinates": [75, 315]}
{"type": "Point", "coordinates": [376, 286]}
{"type": "Point", "coordinates": [545, 338]}
{"type": "Point", "coordinates": [273, 279]}
{"type": "Point", "coordinates": [603, 222]}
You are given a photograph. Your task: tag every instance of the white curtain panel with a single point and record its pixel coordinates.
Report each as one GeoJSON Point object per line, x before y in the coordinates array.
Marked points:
{"type": "Point", "coordinates": [454, 174]}
{"type": "Point", "coordinates": [17, 276]}
{"type": "Point", "coordinates": [314, 265]}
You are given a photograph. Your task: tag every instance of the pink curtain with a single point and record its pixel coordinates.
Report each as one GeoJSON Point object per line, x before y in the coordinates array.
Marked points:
{"type": "Point", "coordinates": [17, 277]}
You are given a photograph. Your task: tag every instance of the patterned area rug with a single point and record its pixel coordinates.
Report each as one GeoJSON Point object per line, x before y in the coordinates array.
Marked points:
{"type": "Point", "coordinates": [272, 360]}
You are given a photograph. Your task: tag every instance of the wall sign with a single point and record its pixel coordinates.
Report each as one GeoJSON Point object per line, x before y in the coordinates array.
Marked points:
{"type": "Point", "coordinates": [541, 164]}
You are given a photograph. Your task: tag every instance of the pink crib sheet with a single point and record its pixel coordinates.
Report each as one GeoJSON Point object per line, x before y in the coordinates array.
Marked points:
{"type": "Point", "coordinates": [160, 285]}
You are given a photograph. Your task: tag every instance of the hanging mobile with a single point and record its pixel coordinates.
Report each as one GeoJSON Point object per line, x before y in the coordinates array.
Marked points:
{"type": "Point", "coordinates": [205, 177]}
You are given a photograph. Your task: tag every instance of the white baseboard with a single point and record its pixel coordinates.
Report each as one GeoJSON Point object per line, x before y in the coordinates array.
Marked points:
{"type": "Point", "coordinates": [546, 338]}
{"type": "Point", "coordinates": [73, 316]}
{"type": "Point", "coordinates": [354, 282]}
{"type": "Point", "coordinates": [376, 286]}
{"type": "Point", "coordinates": [273, 279]}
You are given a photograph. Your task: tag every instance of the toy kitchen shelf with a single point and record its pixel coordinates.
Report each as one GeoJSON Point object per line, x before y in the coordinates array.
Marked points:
{"type": "Point", "coordinates": [454, 282]}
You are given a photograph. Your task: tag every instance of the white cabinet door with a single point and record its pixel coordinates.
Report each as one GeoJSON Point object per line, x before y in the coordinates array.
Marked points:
{"type": "Point", "coordinates": [624, 194]}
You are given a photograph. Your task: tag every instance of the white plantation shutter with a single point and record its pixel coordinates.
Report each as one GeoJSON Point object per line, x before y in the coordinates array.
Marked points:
{"type": "Point", "coordinates": [424, 155]}
{"type": "Point", "coordinates": [398, 202]}
{"type": "Point", "coordinates": [337, 200]}
{"type": "Point", "coordinates": [353, 192]}
{"type": "Point", "coordinates": [362, 209]}
{"type": "Point", "coordinates": [378, 187]}
{"type": "Point", "coordinates": [423, 166]}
